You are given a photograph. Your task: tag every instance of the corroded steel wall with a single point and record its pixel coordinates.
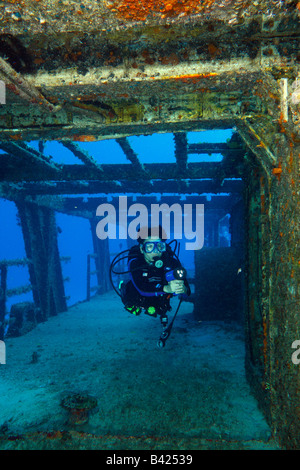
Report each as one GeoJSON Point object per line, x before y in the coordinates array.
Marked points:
{"type": "Point", "coordinates": [273, 297]}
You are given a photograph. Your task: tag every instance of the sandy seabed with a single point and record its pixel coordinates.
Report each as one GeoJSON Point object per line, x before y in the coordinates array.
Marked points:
{"type": "Point", "coordinates": [191, 394]}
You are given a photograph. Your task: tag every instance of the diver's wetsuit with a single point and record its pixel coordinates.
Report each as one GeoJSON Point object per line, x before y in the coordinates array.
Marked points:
{"type": "Point", "coordinates": [145, 289]}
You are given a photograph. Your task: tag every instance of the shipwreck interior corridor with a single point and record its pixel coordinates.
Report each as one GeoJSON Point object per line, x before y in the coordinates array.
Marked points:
{"type": "Point", "coordinates": [209, 388]}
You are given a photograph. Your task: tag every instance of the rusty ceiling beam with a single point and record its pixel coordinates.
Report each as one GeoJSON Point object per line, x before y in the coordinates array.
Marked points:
{"type": "Point", "coordinates": [117, 172]}
{"type": "Point", "coordinates": [84, 156]}
{"type": "Point", "coordinates": [23, 153]}
{"type": "Point", "coordinates": [41, 146]}
{"type": "Point", "coordinates": [21, 87]}
{"type": "Point", "coordinates": [260, 142]}
{"type": "Point", "coordinates": [210, 148]}
{"type": "Point", "coordinates": [56, 188]}
{"type": "Point", "coordinates": [137, 167]}
{"type": "Point", "coordinates": [181, 155]}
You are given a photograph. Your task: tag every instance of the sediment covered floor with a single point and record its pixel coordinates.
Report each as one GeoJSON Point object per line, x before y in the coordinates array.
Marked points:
{"type": "Point", "coordinates": [192, 394]}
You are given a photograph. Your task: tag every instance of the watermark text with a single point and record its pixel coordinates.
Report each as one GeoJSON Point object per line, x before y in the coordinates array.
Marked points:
{"type": "Point", "coordinates": [2, 353]}
{"type": "Point", "coordinates": [296, 354]}
{"type": "Point", "coordinates": [2, 93]}
{"type": "Point", "coordinates": [188, 221]}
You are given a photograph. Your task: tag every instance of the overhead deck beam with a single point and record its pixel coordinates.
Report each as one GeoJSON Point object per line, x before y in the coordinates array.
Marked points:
{"type": "Point", "coordinates": [55, 188]}
{"type": "Point", "coordinates": [113, 172]}
{"type": "Point", "coordinates": [181, 156]}
{"type": "Point", "coordinates": [83, 155]}
{"type": "Point", "coordinates": [22, 153]}
{"type": "Point", "coordinates": [137, 167]}
{"type": "Point", "coordinates": [210, 148]}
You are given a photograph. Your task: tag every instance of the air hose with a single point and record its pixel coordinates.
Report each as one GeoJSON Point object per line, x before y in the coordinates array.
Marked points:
{"type": "Point", "coordinates": [167, 331]}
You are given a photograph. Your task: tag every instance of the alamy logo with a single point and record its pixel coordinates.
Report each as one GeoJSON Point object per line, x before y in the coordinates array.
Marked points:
{"type": "Point", "coordinates": [184, 219]}
{"type": "Point", "coordinates": [2, 353]}
{"type": "Point", "coordinates": [296, 354]}
{"type": "Point", "coordinates": [2, 93]}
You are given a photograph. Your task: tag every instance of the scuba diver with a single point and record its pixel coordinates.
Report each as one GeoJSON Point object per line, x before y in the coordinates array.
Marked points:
{"type": "Point", "coordinates": [156, 275]}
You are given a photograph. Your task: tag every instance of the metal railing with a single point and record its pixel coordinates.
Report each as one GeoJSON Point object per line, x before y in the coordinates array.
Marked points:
{"type": "Point", "coordinates": [24, 289]}
{"type": "Point", "coordinates": [90, 273]}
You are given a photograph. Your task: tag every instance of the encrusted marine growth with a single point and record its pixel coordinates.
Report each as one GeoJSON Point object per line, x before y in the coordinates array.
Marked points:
{"type": "Point", "coordinates": [79, 406]}
{"type": "Point", "coordinates": [233, 11]}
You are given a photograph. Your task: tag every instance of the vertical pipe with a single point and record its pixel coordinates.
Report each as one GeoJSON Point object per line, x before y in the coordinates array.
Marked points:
{"type": "Point", "coordinates": [40, 238]}
{"type": "Point", "coordinates": [284, 99]}
{"type": "Point", "coordinates": [88, 278]}
{"type": "Point", "coordinates": [216, 232]}
{"type": "Point", "coordinates": [24, 219]}
{"type": "Point", "coordinates": [102, 260]}
{"type": "Point", "coordinates": [3, 273]}
{"type": "Point", "coordinates": [55, 290]}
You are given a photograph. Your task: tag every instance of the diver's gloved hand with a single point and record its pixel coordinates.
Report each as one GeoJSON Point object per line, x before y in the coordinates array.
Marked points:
{"type": "Point", "coordinates": [175, 287]}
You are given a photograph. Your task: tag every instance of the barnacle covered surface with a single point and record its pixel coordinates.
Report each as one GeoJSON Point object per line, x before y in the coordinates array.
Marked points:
{"type": "Point", "coordinates": [98, 64]}
{"type": "Point", "coordinates": [78, 401]}
{"type": "Point", "coordinates": [61, 15]}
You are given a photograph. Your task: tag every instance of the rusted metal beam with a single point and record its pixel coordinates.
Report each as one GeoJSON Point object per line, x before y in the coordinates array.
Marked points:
{"type": "Point", "coordinates": [3, 295]}
{"type": "Point", "coordinates": [256, 137]}
{"type": "Point", "coordinates": [186, 186]}
{"type": "Point", "coordinates": [116, 173]}
{"type": "Point", "coordinates": [41, 146]}
{"type": "Point", "coordinates": [181, 155]}
{"type": "Point", "coordinates": [21, 87]}
{"type": "Point", "coordinates": [138, 168]}
{"type": "Point", "coordinates": [22, 152]}
{"type": "Point", "coordinates": [84, 156]}
{"type": "Point", "coordinates": [210, 148]}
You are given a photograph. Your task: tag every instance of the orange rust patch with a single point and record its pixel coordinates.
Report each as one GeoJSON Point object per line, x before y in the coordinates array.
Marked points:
{"type": "Point", "coordinates": [148, 59]}
{"type": "Point", "coordinates": [172, 59]}
{"type": "Point", "coordinates": [277, 171]}
{"type": "Point", "coordinates": [213, 50]}
{"type": "Point", "coordinates": [292, 273]}
{"type": "Point", "coordinates": [15, 136]}
{"type": "Point", "coordinates": [139, 11]}
{"type": "Point", "coordinates": [193, 77]}
{"type": "Point", "coordinates": [262, 200]}
{"type": "Point", "coordinates": [84, 138]}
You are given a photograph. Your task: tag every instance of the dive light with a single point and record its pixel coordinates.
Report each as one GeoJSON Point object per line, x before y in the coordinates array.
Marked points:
{"type": "Point", "coordinates": [179, 274]}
